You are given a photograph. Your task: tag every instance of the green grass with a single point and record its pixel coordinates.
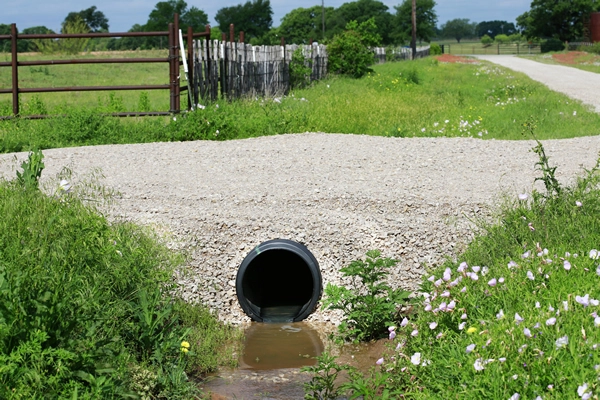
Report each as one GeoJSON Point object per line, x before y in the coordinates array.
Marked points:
{"type": "Point", "coordinates": [86, 306]}
{"type": "Point", "coordinates": [89, 75]}
{"type": "Point", "coordinates": [398, 99]}
{"type": "Point", "coordinates": [586, 62]}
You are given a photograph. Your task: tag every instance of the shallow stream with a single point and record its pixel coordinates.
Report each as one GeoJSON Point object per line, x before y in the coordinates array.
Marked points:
{"type": "Point", "coordinates": [273, 355]}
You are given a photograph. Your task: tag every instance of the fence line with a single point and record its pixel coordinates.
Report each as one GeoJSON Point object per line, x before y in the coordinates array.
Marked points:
{"type": "Point", "coordinates": [235, 70]}
{"type": "Point", "coordinates": [383, 54]}
{"type": "Point", "coordinates": [478, 48]}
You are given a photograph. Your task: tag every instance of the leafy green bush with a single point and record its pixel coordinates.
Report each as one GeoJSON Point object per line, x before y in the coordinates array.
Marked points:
{"type": "Point", "coordinates": [300, 70]}
{"type": "Point", "coordinates": [435, 49]}
{"type": "Point", "coordinates": [502, 39]}
{"type": "Point", "coordinates": [595, 48]}
{"type": "Point", "coordinates": [515, 38]}
{"type": "Point", "coordinates": [552, 45]}
{"type": "Point", "coordinates": [486, 40]}
{"type": "Point", "coordinates": [370, 305]}
{"type": "Point", "coordinates": [349, 52]}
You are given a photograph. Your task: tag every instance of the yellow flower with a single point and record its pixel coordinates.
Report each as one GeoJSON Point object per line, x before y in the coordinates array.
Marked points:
{"type": "Point", "coordinates": [472, 330]}
{"type": "Point", "coordinates": [185, 346]}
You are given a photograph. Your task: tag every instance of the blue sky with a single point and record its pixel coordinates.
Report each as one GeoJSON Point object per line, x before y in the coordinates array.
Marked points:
{"type": "Point", "coordinates": [123, 14]}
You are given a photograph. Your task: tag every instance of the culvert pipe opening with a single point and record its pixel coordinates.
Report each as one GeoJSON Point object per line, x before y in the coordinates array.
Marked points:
{"type": "Point", "coordinates": [279, 281]}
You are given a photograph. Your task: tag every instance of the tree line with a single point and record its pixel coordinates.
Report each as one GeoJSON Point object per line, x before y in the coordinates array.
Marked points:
{"type": "Point", "coordinates": [255, 19]}
{"type": "Point", "coordinates": [564, 20]}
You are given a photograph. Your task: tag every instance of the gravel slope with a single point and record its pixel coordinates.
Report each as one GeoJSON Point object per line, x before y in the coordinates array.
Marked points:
{"type": "Point", "coordinates": [341, 195]}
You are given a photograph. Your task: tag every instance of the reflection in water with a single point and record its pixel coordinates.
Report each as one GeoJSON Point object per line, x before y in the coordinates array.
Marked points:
{"type": "Point", "coordinates": [277, 346]}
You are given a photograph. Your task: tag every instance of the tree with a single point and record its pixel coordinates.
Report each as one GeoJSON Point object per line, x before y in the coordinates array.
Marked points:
{"type": "Point", "coordinates": [361, 11]}
{"type": "Point", "coordinates": [254, 18]}
{"type": "Point", "coordinates": [560, 19]}
{"type": "Point", "coordinates": [458, 29]}
{"type": "Point", "coordinates": [29, 44]}
{"type": "Point", "coordinates": [67, 46]}
{"type": "Point", "coordinates": [493, 28]}
{"type": "Point", "coordinates": [195, 18]}
{"type": "Point", "coordinates": [350, 53]}
{"type": "Point", "coordinates": [5, 45]}
{"type": "Point", "coordinates": [94, 19]}
{"type": "Point", "coordinates": [426, 21]}
{"type": "Point", "coordinates": [301, 25]}
{"type": "Point", "coordinates": [164, 13]}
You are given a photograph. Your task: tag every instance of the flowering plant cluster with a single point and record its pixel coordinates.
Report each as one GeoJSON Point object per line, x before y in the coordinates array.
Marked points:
{"type": "Point", "coordinates": [518, 316]}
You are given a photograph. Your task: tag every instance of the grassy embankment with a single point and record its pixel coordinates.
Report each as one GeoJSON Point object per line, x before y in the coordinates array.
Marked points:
{"type": "Point", "coordinates": [576, 59]}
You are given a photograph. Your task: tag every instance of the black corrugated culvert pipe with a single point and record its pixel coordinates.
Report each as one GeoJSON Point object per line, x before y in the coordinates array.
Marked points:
{"type": "Point", "coordinates": [279, 281]}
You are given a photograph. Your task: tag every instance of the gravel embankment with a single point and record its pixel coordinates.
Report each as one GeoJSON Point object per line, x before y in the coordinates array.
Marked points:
{"type": "Point", "coordinates": [341, 195]}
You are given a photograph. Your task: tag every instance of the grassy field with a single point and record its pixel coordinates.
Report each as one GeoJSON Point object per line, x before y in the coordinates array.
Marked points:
{"type": "Point", "coordinates": [89, 75]}
{"type": "Point", "coordinates": [421, 98]}
{"type": "Point", "coordinates": [576, 59]}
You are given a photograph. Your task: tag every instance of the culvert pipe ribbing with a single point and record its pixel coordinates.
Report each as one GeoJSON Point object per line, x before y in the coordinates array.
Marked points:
{"type": "Point", "coordinates": [279, 281]}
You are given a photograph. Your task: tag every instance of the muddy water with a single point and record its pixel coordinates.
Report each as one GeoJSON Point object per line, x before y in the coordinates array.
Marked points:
{"type": "Point", "coordinates": [269, 367]}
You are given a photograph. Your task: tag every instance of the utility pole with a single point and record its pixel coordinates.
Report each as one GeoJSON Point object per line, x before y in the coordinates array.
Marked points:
{"type": "Point", "coordinates": [413, 43]}
{"type": "Point", "coordinates": [323, 17]}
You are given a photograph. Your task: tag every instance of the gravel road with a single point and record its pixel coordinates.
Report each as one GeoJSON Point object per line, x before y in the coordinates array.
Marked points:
{"type": "Point", "coordinates": [340, 195]}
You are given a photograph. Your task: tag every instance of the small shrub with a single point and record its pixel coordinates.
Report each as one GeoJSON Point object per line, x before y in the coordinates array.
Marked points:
{"type": "Point", "coordinates": [412, 76]}
{"type": "Point", "coordinates": [486, 40]}
{"type": "Point", "coordinates": [370, 305]}
{"type": "Point", "coordinates": [323, 384]}
{"type": "Point", "coordinates": [300, 70]}
{"type": "Point", "coordinates": [552, 45]}
{"type": "Point", "coordinates": [515, 38]}
{"type": "Point", "coordinates": [144, 102]}
{"type": "Point", "coordinates": [349, 52]}
{"type": "Point", "coordinates": [502, 39]}
{"type": "Point", "coordinates": [32, 170]}
{"type": "Point", "coordinates": [595, 48]}
{"type": "Point", "coordinates": [435, 49]}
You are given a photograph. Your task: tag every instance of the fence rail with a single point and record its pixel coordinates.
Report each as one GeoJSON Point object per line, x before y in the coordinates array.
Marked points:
{"type": "Point", "coordinates": [213, 68]}
{"type": "Point", "coordinates": [173, 60]}
{"type": "Point", "coordinates": [383, 54]}
{"type": "Point", "coordinates": [478, 48]}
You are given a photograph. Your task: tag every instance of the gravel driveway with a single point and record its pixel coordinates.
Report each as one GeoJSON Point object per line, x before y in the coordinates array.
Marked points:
{"type": "Point", "coordinates": [341, 195]}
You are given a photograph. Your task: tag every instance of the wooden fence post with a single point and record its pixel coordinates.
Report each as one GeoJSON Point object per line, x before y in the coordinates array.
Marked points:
{"type": "Point", "coordinates": [193, 96]}
{"type": "Point", "coordinates": [176, 63]}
